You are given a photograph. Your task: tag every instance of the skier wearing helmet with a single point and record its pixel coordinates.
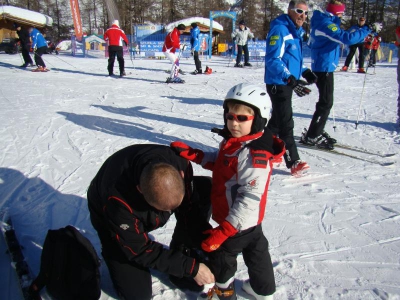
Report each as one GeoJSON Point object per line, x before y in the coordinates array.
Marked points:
{"type": "Point", "coordinates": [241, 170]}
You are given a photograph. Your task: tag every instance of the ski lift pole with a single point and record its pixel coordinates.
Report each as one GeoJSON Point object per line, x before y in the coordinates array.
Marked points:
{"type": "Point", "coordinates": [362, 91]}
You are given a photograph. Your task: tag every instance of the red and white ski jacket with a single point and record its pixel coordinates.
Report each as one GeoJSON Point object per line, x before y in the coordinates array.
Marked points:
{"type": "Point", "coordinates": [241, 173]}
{"type": "Point", "coordinates": [172, 41]}
{"type": "Point", "coordinates": [115, 36]}
{"type": "Point", "coordinates": [372, 42]}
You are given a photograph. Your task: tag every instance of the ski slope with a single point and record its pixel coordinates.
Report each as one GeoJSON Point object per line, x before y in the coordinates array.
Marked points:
{"type": "Point", "coordinates": [333, 234]}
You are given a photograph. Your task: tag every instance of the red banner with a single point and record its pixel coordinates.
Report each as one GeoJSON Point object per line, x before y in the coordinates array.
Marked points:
{"type": "Point", "coordinates": [76, 16]}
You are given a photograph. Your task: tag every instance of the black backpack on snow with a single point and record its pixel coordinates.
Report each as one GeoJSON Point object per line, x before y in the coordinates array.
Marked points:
{"type": "Point", "coordinates": [69, 267]}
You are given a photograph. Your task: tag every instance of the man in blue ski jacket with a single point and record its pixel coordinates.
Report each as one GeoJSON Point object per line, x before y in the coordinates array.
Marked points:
{"type": "Point", "coordinates": [283, 68]}
{"type": "Point", "coordinates": [325, 40]}
{"type": "Point", "coordinates": [195, 47]}
{"type": "Point", "coordinates": [39, 46]}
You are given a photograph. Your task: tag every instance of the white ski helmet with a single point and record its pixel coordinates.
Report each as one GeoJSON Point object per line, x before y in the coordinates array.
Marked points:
{"type": "Point", "coordinates": [255, 97]}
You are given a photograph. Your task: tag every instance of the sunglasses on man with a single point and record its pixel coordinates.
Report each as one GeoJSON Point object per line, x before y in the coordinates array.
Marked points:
{"type": "Point", "coordinates": [238, 118]}
{"type": "Point", "coordinates": [300, 11]}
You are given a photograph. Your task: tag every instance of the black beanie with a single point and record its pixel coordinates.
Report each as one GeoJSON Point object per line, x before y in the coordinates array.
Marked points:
{"type": "Point", "coordinates": [194, 25]}
{"type": "Point", "coordinates": [181, 27]}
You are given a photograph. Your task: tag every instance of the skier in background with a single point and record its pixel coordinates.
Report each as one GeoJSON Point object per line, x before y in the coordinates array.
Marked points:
{"type": "Point", "coordinates": [195, 47]}
{"type": "Point", "coordinates": [325, 40]}
{"type": "Point", "coordinates": [371, 45]}
{"type": "Point", "coordinates": [171, 43]}
{"type": "Point", "coordinates": [39, 46]}
{"type": "Point", "coordinates": [25, 42]}
{"type": "Point", "coordinates": [116, 37]}
{"type": "Point", "coordinates": [353, 48]}
{"type": "Point", "coordinates": [241, 37]}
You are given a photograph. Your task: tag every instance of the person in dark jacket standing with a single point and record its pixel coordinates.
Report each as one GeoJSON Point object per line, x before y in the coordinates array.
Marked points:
{"type": "Point", "coordinates": [326, 38]}
{"type": "Point", "coordinates": [353, 48]}
{"type": "Point", "coordinates": [25, 41]}
{"type": "Point", "coordinates": [283, 69]}
{"type": "Point", "coordinates": [116, 38]}
{"type": "Point", "coordinates": [136, 191]}
{"type": "Point", "coordinates": [195, 47]}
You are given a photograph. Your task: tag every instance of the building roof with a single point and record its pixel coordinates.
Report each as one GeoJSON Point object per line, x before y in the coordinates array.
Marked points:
{"type": "Point", "coordinates": [24, 17]}
{"type": "Point", "coordinates": [202, 23]}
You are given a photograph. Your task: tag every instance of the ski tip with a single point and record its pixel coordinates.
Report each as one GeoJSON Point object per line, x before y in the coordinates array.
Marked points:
{"type": "Point", "coordinates": [387, 164]}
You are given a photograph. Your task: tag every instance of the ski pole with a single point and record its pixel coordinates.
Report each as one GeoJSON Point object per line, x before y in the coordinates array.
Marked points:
{"type": "Point", "coordinates": [64, 61]}
{"type": "Point", "coordinates": [362, 92]}
{"type": "Point", "coordinates": [333, 116]}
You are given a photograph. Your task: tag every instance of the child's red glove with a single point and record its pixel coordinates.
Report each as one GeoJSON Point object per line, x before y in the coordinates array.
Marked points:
{"type": "Point", "coordinates": [218, 236]}
{"type": "Point", "coordinates": [194, 155]}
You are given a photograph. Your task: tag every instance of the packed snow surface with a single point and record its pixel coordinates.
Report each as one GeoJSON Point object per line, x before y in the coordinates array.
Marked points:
{"type": "Point", "coordinates": [333, 234]}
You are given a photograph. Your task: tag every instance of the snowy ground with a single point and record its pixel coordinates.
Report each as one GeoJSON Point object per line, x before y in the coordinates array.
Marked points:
{"type": "Point", "coordinates": [334, 234]}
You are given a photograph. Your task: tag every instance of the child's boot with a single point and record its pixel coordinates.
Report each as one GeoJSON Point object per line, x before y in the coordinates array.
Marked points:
{"type": "Point", "coordinates": [222, 291]}
{"type": "Point", "coordinates": [249, 290]}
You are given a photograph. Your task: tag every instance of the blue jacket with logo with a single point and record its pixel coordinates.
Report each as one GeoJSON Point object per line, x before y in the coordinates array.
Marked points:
{"type": "Point", "coordinates": [325, 39]}
{"type": "Point", "coordinates": [38, 40]}
{"type": "Point", "coordinates": [194, 38]}
{"type": "Point", "coordinates": [284, 52]}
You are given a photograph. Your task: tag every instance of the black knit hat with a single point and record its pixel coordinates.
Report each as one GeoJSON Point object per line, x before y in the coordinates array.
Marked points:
{"type": "Point", "coordinates": [242, 22]}
{"type": "Point", "coordinates": [181, 27]}
{"type": "Point", "coordinates": [194, 25]}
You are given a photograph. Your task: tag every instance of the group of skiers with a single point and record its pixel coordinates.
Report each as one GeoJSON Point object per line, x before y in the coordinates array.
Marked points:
{"type": "Point", "coordinates": [366, 48]}
{"type": "Point", "coordinates": [31, 38]}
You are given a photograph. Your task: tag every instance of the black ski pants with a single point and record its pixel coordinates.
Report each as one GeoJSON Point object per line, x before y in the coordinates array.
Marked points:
{"type": "Point", "coordinates": [352, 51]}
{"type": "Point", "coordinates": [197, 60]}
{"type": "Point", "coordinates": [119, 53]}
{"type": "Point", "coordinates": [132, 281]}
{"type": "Point", "coordinates": [254, 246]}
{"type": "Point", "coordinates": [241, 49]}
{"type": "Point", "coordinates": [25, 54]}
{"type": "Point", "coordinates": [325, 84]}
{"type": "Point", "coordinates": [281, 123]}
{"type": "Point", "coordinates": [38, 56]}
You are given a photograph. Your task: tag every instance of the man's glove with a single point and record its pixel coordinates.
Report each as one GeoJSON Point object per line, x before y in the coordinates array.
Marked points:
{"type": "Point", "coordinates": [192, 52]}
{"type": "Point", "coordinates": [183, 150]}
{"type": "Point", "coordinates": [254, 39]}
{"type": "Point", "coordinates": [126, 44]}
{"type": "Point", "coordinates": [234, 39]}
{"type": "Point", "coordinates": [298, 86]}
{"type": "Point", "coordinates": [218, 236]}
{"type": "Point", "coordinates": [310, 76]}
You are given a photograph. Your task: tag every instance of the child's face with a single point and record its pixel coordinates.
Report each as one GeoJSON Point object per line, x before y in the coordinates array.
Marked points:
{"type": "Point", "coordinates": [239, 128]}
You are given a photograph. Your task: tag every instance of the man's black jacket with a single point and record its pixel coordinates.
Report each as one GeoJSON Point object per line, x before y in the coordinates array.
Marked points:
{"type": "Point", "coordinates": [121, 208]}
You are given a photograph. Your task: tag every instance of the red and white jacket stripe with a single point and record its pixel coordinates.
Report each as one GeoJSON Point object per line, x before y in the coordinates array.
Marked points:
{"type": "Point", "coordinates": [241, 179]}
{"type": "Point", "coordinates": [115, 36]}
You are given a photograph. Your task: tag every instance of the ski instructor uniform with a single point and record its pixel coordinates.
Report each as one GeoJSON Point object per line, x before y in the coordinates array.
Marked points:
{"type": "Point", "coordinates": [123, 217]}
{"type": "Point", "coordinates": [283, 69]}
{"type": "Point", "coordinates": [115, 37]}
{"type": "Point", "coordinates": [326, 37]}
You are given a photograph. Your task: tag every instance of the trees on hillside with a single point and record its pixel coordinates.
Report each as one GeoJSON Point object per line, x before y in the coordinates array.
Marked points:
{"type": "Point", "coordinates": [257, 13]}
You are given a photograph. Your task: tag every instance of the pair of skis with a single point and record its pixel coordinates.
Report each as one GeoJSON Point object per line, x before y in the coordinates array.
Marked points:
{"type": "Point", "coordinates": [354, 149]}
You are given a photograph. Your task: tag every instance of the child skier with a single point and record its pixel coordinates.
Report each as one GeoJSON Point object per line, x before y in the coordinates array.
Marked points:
{"type": "Point", "coordinates": [171, 43]}
{"type": "Point", "coordinates": [241, 173]}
